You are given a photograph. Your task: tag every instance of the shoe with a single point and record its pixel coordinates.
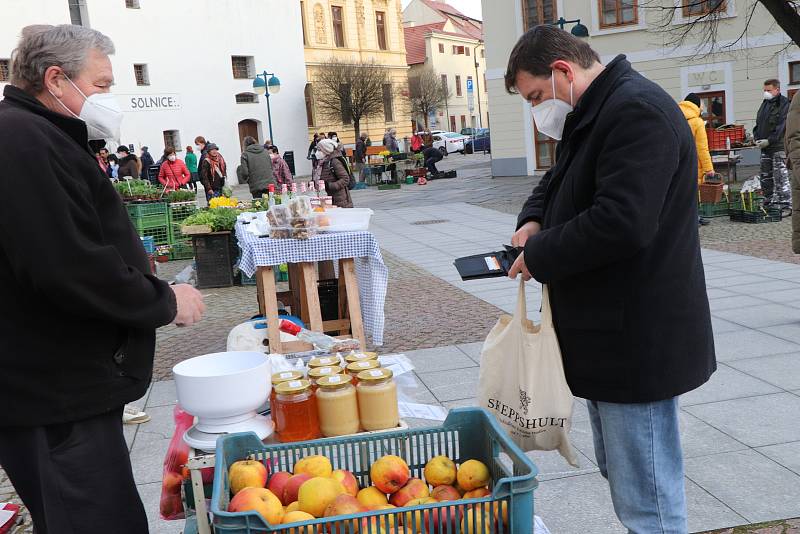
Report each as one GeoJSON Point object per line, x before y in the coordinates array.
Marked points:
{"type": "Point", "coordinates": [704, 222]}
{"type": "Point", "coordinates": [133, 415]}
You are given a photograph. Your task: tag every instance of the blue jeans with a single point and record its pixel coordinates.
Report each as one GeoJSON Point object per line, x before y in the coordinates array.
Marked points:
{"type": "Point", "coordinates": [638, 451]}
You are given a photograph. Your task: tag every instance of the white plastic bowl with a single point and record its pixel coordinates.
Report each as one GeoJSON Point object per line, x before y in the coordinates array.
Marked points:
{"type": "Point", "coordinates": [223, 388]}
{"type": "Point", "coordinates": [347, 219]}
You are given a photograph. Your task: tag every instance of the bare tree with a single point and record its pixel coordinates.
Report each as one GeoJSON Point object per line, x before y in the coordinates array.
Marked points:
{"type": "Point", "coordinates": [427, 93]}
{"type": "Point", "coordinates": [350, 91]}
{"type": "Point", "coordinates": [710, 14]}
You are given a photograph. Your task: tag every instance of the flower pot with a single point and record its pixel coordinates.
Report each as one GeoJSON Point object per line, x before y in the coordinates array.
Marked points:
{"type": "Point", "coordinates": [163, 258]}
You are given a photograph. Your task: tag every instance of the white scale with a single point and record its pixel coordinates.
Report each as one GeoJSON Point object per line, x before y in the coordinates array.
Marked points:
{"type": "Point", "coordinates": [204, 433]}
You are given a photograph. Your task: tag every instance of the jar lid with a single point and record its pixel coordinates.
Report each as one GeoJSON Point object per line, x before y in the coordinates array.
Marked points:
{"type": "Point", "coordinates": [334, 381]}
{"type": "Point", "coordinates": [285, 376]}
{"type": "Point", "coordinates": [293, 386]}
{"type": "Point", "coordinates": [357, 367]}
{"type": "Point", "coordinates": [374, 375]}
{"type": "Point", "coordinates": [325, 361]}
{"type": "Point", "coordinates": [319, 372]}
{"type": "Point", "coordinates": [361, 356]}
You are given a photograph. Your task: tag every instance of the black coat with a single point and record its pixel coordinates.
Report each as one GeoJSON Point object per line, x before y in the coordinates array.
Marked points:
{"type": "Point", "coordinates": [619, 247]}
{"type": "Point", "coordinates": [147, 162]}
{"type": "Point", "coordinates": [79, 307]}
{"type": "Point", "coordinates": [771, 122]}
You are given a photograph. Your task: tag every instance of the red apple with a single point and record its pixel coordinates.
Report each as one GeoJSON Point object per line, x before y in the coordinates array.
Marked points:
{"type": "Point", "coordinates": [291, 489]}
{"type": "Point", "coordinates": [277, 483]}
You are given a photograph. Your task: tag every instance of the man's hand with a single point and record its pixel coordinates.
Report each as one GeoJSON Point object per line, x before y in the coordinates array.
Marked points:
{"type": "Point", "coordinates": [520, 267]}
{"type": "Point", "coordinates": [190, 305]}
{"type": "Point", "coordinates": [762, 143]}
{"type": "Point", "coordinates": [527, 230]}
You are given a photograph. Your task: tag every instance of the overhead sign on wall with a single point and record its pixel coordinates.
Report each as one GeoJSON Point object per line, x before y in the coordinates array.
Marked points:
{"type": "Point", "coordinates": [159, 102]}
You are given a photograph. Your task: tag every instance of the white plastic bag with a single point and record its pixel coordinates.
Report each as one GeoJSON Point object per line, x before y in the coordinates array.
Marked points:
{"type": "Point", "coordinates": [522, 381]}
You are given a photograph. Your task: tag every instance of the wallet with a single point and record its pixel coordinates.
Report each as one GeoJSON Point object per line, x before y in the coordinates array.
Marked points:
{"type": "Point", "coordinates": [488, 265]}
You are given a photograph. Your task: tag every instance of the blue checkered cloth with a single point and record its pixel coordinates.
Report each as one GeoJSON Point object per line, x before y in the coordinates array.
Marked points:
{"type": "Point", "coordinates": [372, 273]}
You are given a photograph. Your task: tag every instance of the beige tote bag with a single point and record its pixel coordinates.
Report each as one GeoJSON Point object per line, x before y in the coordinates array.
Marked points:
{"type": "Point", "coordinates": [522, 381]}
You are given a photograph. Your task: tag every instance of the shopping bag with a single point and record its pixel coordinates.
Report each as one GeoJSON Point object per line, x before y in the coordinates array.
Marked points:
{"type": "Point", "coordinates": [175, 470]}
{"type": "Point", "coordinates": [522, 381]}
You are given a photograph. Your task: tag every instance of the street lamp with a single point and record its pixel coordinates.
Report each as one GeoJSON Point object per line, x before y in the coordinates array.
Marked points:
{"type": "Point", "coordinates": [579, 30]}
{"type": "Point", "coordinates": [266, 86]}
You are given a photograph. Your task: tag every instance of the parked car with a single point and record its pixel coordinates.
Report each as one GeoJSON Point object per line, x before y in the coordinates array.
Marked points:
{"type": "Point", "coordinates": [469, 132]}
{"type": "Point", "coordinates": [449, 142]}
{"type": "Point", "coordinates": [480, 141]}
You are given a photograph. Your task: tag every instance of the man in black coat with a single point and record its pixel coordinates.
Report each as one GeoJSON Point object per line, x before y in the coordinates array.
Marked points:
{"type": "Point", "coordinates": [80, 306]}
{"type": "Point", "coordinates": [769, 132]}
{"type": "Point", "coordinates": [612, 230]}
{"type": "Point", "coordinates": [147, 162]}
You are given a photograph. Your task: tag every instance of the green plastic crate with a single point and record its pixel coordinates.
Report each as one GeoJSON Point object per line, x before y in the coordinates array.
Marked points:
{"type": "Point", "coordinates": [709, 210]}
{"type": "Point", "coordinates": [467, 433]}
{"type": "Point", "coordinates": [182, 250]}
{"type": "Point", "coordinates": [137, 210]}
{"type": "Point", "coordinates": [178, 211]}
{"type": "Point", "coordinates": [160, 234]}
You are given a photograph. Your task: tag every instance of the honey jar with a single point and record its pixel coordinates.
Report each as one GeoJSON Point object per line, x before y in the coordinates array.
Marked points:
{"type": "Point", "coordinates": [377, 399]}
{"type": "Point", "coordinates": [360, 356]}
{"type": "Point", "coordinates": [324, 361]}
{"type": "Point", "coordinates": [356, 367]}
{"type": "Point", "coordinates": [296, 415]}
{"type": "Point", "coordinates": [316, 373]}
{"type": "Point", "coordinates": [337, 405]}
{"type": "Point", "coordinates": [277, 378]}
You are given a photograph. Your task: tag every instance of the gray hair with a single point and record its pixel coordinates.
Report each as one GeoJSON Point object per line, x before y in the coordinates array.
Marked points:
{"type": "Point", "coordinates": [43, 46]}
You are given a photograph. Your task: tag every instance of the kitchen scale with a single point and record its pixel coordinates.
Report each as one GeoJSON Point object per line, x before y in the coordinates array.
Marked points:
{"type": "Point", "coordinates": [204, 433]}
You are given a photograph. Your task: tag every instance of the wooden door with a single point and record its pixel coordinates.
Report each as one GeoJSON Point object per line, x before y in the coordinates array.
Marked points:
{"type": "Point", "coordinates": [247, 127]}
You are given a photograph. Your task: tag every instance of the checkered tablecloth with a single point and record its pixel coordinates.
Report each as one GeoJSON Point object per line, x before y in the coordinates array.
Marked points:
{"type": "Point", "coordinates": [361, 246]}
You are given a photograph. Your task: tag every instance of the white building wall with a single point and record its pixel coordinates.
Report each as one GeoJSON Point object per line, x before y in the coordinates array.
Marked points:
{"type": "Point", "coordinates": [187, 46]}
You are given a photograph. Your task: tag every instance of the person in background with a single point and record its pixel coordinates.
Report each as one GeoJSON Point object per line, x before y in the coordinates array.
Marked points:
{"type": "Point", "coordinates": [255, 168]}
{"type": "Point", "coordinates": [113, 167]}
{"type": "Point", "coordinates": [792, 143]}
{"type": "Point", "coordinates": [280, 169]}
{"type": "Point", "coordinates": [611, 230]}
{"type": "Point", "coordinates": [190, 159]}
{"type": "Point", "coordinates": [62, 443]}
{"type": "Point", "coordinates": [390, 141]}
{"type": "Point", "coordinates": [268, 145]}
{"type": "Point", "coordinates": [427, 138]}
{"type": "Point", "coordinates": [334, 172]}
{"type": "Point", "coordinates": [147, 162]}
{"type": "Point", "coordinates": [102, 161]}
{"type": "Point", "coordinates": [432, 156]}
{"type": "Point", "coordinates": [201, 144]}
{"type": "Point", "coordinates": [416, 143]}
{"type": "Point", "coordinates": [129, 164]}
{"type": "Point", "coordinates": [768, 133]}
{"type": "Point", "coordinates": [173, 172]}
{"type": "Point", "coordinates": [690, 106]}
{"type": "Point", "coordinates": [333, 136]}
{"type": "Point", "coordinates": [213, 171]}
{"type": "Point", "coordinates": [360, 155]}
{"type": "Point", "coordinates": [312, 152]}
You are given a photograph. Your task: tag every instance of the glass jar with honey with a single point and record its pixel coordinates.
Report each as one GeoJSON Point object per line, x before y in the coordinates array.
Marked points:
{"type": "Point", "coordinates": [360, 357]}
{"type": "Point", "coordinates": [377, 399]}
{"type": "Point", "coordinates": [316, 373]}
{"type": "Point", "coordinates": [337, 405]}
{"type": "Point", "coordinates": [277, 378]}
{"type": "Point", "coordinates": [296, 415]}
{"type": "Point", "coordinates": [356, 367]}
{"type": "Point", "coordinates": [324, 361]}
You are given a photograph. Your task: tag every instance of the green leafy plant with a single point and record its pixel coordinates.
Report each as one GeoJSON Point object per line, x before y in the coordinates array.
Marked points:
{"type": "Point", "coordinates": [181, 195]}
{"type": "Point", "coordinates": [219, 219]}
{"type": "Point", "coordinates": [137, 190]}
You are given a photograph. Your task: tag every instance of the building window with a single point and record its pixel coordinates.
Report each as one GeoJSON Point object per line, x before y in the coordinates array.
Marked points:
{"type": "Point", "coordinates": [618, 13]}
{"type": "Point", "coordinates": [483, 53]}
{"type": "Point", "coordinates": [794, 72]}
{"type": "Point", "coordinates": [485, 87]}
{"type": "Point", "coordinates": [452, 123]}
{"type": "Point", "coordinates": [132, 4]}
{"type": "Point", "coordinates": [242, 67]}
{"type": "Point", "coordinates": [380, 24]}
{"type": "Point", "coordinates": [459, 50]}
{"type": "Point", "coordinates": [172, 139]}
{"type": "Point", "coordinates": [338, 27]}
{"type": "Point", "coordinates": [345, 96]}
{"type": "Point", "coordinates": [694, 8]}
{"type": "Point", "coordinates": [466, 50]}
{"type": "Point", "coordinates": [545, 149]}
{"type": "Point", "coordinates": [309, 94]}
{"type": "Point", "coordinates": [77, 13]}
{"type": "Point", "coordinates": [463, 121]}
{"type": "Point", "coordinates": [388, 112]}
{"type": "Point", "coordinates": [713, 104]}
{"type": "Point", "coordinates": [303, 21]}
{"type": "Point", "coordinates": [141, 74]}
{"type": "Point", "coordinates": [4, 70]}
{"type": "Point", "coordinates": [441, 48]}
{"type": "Point", "coordinates": [458, 85]}
{"type": "Point", "coordinates": [536, 12]}
{"type": "Point", "coordinates": [444, 83]}
{"type": "Point", "coordinates": [246, 98]}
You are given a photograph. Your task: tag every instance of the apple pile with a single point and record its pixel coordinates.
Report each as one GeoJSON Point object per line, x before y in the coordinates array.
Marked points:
{"type": "Point", "coordinates": [316, 490]}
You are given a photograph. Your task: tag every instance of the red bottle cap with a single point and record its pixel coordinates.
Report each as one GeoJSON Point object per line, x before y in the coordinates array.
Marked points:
{"type": "Point", "coordinates": [271, 188]}
{"type": "Point", "coordinates": [289, 327]}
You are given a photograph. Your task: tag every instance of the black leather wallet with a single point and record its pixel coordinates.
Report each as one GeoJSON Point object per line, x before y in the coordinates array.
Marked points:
{"type": "Point", "coordinates": [489, 265]}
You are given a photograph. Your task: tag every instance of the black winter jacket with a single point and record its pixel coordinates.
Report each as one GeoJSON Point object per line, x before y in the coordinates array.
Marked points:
{"type": "Point", "coordinates": [79, 307]}
{"type": "Point", "coordinates": [619, 247]}
{"type": "Point", "coordinates": [771, 123]}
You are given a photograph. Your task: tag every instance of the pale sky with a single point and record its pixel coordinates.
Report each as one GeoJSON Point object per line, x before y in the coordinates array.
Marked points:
{"type": "Point", "coordinates": [471, 8]}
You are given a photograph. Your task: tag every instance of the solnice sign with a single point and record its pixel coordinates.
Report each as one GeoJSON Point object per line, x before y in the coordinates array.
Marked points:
{"type": "Point", "coordinates": [158, 102]}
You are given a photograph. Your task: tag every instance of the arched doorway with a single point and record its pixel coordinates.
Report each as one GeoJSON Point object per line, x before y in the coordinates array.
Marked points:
{"type": "Point", "coordinates": [247, 127]}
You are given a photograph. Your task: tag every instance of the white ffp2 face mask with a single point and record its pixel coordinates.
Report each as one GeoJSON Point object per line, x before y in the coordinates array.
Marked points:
{"type": "Point", "coordinates": [100, 112]}
{"type": "Point", "coordinates": [768, 95]}
{"type": "Point", "coordinates": [551, 115]}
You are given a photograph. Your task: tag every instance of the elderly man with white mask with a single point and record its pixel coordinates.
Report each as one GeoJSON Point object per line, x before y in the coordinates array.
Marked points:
{"type": "Point", "coordinates": [80, 306]}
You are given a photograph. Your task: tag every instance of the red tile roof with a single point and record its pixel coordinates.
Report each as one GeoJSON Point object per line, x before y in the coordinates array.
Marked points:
{"type": "Point", "coordinates": [459, 20]}
{"type": "Point", "coordinates": [415, 41]}
{"type": "Point", "coordinates": [443, 7]}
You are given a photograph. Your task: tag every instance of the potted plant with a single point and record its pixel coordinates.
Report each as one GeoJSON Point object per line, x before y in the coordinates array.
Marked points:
{"type": "Point", "coordinates": [162, 253]}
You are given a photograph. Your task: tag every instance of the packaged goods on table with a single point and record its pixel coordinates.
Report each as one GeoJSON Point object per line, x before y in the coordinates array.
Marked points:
{"type": "Point", "coordinates": [295, 409]}
{"type": "Point", "coordinates": [324, 361]}
{"type": "Point", "coordinates": [377, 400]}
{"type": "Point", "coordinates": [360, 356]}
{"type": "Point", "coordinates": [353, 369]}
{"type": "Point", "coordinates": [316, 373]}
{"type": "Point", "coordinates": [337, 406]}
{"type": "Point", "coordinates": [279, 378]}
{"type": "Point", "coordinates": [318, 339]}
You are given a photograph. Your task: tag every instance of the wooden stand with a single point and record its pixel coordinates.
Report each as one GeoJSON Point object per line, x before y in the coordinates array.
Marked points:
{"type": "Point", "coordinates": [303, 297]}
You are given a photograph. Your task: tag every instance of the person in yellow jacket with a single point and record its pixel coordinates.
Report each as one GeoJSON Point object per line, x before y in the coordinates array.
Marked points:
{"type": "Point", "coordinates": [691, 110]}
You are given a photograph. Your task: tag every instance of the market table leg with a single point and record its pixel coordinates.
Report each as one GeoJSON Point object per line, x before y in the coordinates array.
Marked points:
{"type": "Point", "coordinates": [347, 270]}
{"type": "Point", "coordinates": [312, 296]}
{"type": "Point", "coordinates": [295, 285]}
{"type": "Point", "coordinates": [260, 295]}
{"type": "Point", "coordinates": [265, 278]}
